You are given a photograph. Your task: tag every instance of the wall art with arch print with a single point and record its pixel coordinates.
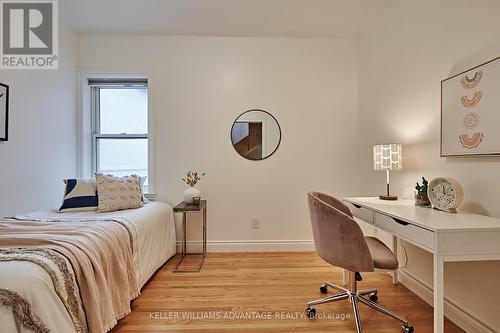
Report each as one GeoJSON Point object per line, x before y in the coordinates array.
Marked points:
{"type": "Point", "coordinates": [470, 111]}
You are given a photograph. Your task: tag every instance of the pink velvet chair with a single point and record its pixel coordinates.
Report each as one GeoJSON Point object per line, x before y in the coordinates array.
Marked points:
{"type": "Point", "coordinates": [338, 239]}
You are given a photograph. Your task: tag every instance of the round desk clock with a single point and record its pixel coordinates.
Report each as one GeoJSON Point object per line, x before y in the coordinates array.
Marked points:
{"type": "Point", "coordinates": [445, 193]}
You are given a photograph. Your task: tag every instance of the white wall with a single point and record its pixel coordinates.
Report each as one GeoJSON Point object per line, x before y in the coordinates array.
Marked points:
{"type": "Point", "coordinates": [403, 57]}
{"type": "Point", "coordinates": [200, 85]}
{"type": "Point", "coordinates": [41, 150]}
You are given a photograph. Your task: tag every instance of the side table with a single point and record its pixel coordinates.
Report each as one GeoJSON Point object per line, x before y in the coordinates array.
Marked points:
{"type": "Point", "coordinates": [185, 209]}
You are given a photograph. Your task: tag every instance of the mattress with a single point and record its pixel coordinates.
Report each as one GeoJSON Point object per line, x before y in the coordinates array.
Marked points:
{"type": "Point", "coordinates": [155, 242]}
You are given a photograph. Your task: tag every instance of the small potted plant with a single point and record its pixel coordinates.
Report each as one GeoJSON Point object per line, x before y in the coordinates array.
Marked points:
{"type": "Point", "coordinates": [421, 198]}
{"type": "Point", "coordinates": [191, 179]}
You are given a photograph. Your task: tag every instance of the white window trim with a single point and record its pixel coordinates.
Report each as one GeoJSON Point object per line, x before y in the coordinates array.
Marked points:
{"type": "Point", "coordinates": [85, 158]}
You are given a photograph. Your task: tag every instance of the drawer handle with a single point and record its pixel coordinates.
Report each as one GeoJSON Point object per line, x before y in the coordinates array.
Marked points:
{"type": "Point", "coordinates": [357, 206]}
{"type": "Point", "coordinates": [398, 221]}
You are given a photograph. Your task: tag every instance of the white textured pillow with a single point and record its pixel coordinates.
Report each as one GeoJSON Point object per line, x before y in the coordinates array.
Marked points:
{"type": "Point", "coordinates": [143, 180]}
{"type": "Point", "coordinates": [118, 193]}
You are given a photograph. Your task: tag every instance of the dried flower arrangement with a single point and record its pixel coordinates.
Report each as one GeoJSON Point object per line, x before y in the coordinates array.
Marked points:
{"type": "Point", "coordinates": [192, 178]}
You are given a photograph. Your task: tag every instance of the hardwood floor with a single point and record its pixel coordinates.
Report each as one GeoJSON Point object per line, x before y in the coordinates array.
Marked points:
{"type": "Point", "coordinates": [255, 285]}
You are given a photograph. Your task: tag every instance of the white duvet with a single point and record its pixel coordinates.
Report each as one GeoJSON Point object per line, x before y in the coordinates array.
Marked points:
{"type": "Point", "coordinates": [154, 229]}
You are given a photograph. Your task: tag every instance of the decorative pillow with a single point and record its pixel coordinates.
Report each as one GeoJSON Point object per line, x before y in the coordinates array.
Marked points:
{"type": "Point", "coordinates": [80, 195]}
{"type": "Point", "coordinates": [117, 193]}
{"type": "Point", "coordinates": [143, 180]}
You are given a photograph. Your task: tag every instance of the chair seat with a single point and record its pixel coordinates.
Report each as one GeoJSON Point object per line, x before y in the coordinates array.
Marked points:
{"type": "Point", "coordinates": [382, 256]}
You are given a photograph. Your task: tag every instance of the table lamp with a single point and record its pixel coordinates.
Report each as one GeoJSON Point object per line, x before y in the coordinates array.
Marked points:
{"type": "Point", "coordinates": [387, 158]}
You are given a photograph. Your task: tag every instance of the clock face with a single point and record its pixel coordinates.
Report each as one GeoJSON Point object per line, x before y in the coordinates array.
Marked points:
{"type": "Point", "coordinates": [443, 193]}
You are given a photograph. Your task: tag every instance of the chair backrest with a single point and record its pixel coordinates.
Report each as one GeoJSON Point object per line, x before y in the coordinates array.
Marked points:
{"type": "Point", "coordinates": [338, 239]}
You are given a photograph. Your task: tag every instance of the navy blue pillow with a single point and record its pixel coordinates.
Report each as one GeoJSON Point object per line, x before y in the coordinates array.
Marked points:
{"type": "Point", "coordinates": [80, 195]}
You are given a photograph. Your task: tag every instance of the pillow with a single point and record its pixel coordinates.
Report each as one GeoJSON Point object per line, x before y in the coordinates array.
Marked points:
{"type": "Point", "coordinates": [79, 195]}
{"type": "Point", "coordinates": [143, 180]}
{"type": "Point", "coordinates": [118, 193]}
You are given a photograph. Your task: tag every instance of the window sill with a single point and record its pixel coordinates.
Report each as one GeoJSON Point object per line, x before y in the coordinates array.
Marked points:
{"type": "Point", "coordinates": [150, 196]}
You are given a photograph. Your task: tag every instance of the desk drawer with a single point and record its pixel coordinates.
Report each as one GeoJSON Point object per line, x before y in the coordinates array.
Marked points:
{"type": "Point", "coordinates": [361, 212]}
{"type": "Point", "coordinates": [410, 232]}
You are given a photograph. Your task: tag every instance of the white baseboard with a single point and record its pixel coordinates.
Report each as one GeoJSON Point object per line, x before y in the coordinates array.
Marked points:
{"type": "Point", "coordinates": [469, 322]}
{"type": "Point", "coordinates": [251, 246]}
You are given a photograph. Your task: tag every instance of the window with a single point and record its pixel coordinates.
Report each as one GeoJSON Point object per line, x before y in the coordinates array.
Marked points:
{"type": "Point", "coordinates": [119, 111]}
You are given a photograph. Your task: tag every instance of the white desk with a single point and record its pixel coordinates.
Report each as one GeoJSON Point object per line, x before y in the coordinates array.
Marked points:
{"type": "Point", "coordinates": [449, 237]}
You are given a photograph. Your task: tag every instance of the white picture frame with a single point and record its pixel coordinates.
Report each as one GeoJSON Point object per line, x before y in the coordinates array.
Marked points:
{"type": "Point", "coordinates": [4, 112]}
{"type": "Point", "coordinates": [470, 112]}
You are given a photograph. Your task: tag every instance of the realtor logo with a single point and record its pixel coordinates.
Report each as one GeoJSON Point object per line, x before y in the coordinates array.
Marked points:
{"type": "Point", "coordinates": [28, 34]}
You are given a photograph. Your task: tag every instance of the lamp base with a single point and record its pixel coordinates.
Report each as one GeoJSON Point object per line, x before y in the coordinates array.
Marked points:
{"type": "Point", "coordinates": [388, 197]}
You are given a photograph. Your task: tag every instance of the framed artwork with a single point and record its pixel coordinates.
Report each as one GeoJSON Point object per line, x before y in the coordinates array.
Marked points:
{"type": "Point", "coordinates": [470, 111]}
{"type": "Point", "coordinates": [4, 112]}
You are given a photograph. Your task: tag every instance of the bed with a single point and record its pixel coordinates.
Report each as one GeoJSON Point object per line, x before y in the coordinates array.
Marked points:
{"type": "Point", "coordinates": [152, 241]}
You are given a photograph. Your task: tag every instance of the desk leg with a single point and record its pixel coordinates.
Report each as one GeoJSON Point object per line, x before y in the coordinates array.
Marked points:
{"type": "Point", "coordinates": [395, 250]}
{"type": "Point", "coordinates": [438, 294]}
{"type": "Point", "coordinates": [345, 277]}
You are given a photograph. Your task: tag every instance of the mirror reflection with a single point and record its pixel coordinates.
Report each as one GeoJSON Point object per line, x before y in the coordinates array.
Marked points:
{"type": "Point", "coordinates": [256, 134]}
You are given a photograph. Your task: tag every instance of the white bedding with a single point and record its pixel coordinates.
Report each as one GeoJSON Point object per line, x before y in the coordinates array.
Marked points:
{"type": "Point", "coordinates": [155, 243]}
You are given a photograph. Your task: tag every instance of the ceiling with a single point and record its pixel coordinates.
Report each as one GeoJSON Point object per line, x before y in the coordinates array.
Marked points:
{"type": "Point", "coordinates": [238, 18]}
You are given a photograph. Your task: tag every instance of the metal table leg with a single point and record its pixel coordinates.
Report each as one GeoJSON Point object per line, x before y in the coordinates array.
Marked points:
{"type": "Point", "coordinates": [184, 244]}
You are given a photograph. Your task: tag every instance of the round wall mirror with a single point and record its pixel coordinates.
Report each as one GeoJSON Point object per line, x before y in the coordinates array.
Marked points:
{"type": "Point", "coordinates": [256, 135]}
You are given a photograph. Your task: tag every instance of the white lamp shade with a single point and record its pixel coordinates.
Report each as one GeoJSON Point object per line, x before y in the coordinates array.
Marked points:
{"type": "Point", "coordinates": [388, 157]}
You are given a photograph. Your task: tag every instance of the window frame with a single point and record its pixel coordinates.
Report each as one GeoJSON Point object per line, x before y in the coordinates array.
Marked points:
{"type": "Point", "coordinates": [89, 117]}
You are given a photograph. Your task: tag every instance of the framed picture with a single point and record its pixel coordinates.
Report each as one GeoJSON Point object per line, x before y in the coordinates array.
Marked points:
{"type": "Point", "coordinates": [4, 112]}
{"type": "Point", "coordinates": [470, 111]}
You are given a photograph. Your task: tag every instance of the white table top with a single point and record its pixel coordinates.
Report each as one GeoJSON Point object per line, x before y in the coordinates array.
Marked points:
{"type": "Point", "coordinates": [427, 218]}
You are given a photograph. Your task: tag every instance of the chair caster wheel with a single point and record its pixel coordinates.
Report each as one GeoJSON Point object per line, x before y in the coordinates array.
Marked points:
{"type": "Point", "coordinates": [323, 289]}
{"type": "Point", "coordinates": [373, 297]}
{"type": "Point", "coordinates": [311, 313]}
{"type": "Point", "coordinates": [408, 329]}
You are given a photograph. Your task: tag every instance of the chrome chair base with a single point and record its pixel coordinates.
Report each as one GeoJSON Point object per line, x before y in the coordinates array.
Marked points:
{"type": "Point", "coordinates": [355, 297]}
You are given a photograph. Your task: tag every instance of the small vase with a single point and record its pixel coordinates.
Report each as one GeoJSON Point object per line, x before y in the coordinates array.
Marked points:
{"type": "Point", "coordinates": [190, 193]}
{"type": "Point", "coordinates": [422, 200]}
